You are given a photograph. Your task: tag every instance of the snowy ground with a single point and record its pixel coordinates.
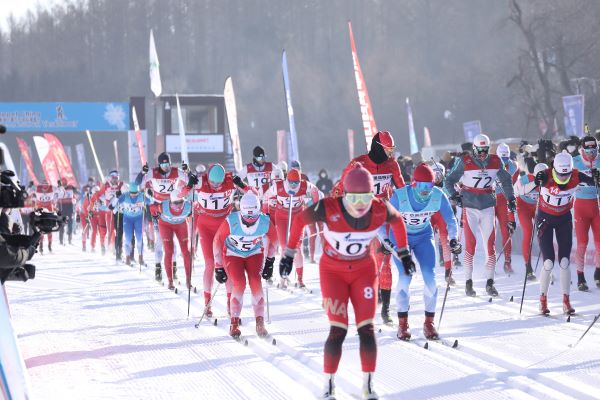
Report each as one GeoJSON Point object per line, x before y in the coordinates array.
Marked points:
{"type": "Point", "coordinates": [91, 329]}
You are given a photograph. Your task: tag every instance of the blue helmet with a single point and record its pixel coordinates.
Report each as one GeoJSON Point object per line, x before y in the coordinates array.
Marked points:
{"type": "Point", "coordinates": [134, 187]}
{"type": "Point", "coordinates": [216, 175]}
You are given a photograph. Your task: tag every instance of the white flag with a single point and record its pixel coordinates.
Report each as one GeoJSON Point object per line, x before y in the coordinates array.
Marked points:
{"type": "Point", "coordinates": [182, 140]}
{"type": "Point", "coordinates": [155, 84]}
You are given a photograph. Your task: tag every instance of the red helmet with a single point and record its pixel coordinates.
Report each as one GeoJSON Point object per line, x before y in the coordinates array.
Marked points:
{"type": "Point", "coordinates": [358, 180]}
{"type": "Point", "coordinates": [293, 175]}
{"type": "Point", "coordinates": [386, 139]}
{"type": "Point", "coordinates": [423, 173]}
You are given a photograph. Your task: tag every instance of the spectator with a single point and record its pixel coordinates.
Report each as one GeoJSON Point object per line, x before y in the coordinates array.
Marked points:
{"type": "Point", "coordinates": [324, 183]}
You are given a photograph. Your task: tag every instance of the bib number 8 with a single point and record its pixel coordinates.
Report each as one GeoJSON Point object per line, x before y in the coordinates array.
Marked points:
{"type": "Point", "coordinates": [368, 292]}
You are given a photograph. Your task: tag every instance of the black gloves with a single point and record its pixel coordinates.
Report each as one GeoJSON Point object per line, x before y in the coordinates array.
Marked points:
{"type": "Point", "coordinates": [192, 180]}
{"type": "Point", "coordinates": [457, 199]}
{"type": "Point", "coordinates": [184, 166]}
{"type": "Point", "coordinates": [541, 178]}
{"type": "Point", "coordinates": [596, 176]}
{"type": "Point", "coordinates": [455, 247]}
{"type": "Point", "coordinates": [407, 262]}
{"type": "Point", "coordinates": [238, 182]}
{"type": "Point", "coordinates": [386, 245]}
{"type": "Point", "coordinates": [220, 275]}
{"type": "Point", "coordinates": [118, 193]}
{"type": "Point", "coordinates": [267, 272]}
{"type": "Point", "coordinates": [145, 169]}
{"type": "Point", "coordinates": [285, 266]}
{"type": "Point", "coordinates": [512, 205]}
{"type": "Point", "coordinates": [512, 226]}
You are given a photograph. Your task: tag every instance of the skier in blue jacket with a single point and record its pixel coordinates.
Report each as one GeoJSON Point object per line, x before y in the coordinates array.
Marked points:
{"type": "Point", "coordinates": [417, 203]}
{"type": "Point", "coordinates": [132, 206]}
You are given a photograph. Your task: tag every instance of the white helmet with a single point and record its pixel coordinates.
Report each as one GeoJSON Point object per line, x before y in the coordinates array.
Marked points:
{"type": "Point", "coordinates": [563, 163]}
{"type": "Point", "coordinates": [200, 168]}
{"type": "Point", "coordinates": [539, 167]}
{"type": "Point", "coordinates": [503, 151]}
{"type": "Point", "coordinates": [283, 166]}
{"type": "Point", "coordinates": [249, 207]}
{"type": "Point", "coordinates": [481, 140]}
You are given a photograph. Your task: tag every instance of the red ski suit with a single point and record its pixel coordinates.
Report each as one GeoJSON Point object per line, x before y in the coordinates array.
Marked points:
{"type": "Point", "coordinates": [347, 269]}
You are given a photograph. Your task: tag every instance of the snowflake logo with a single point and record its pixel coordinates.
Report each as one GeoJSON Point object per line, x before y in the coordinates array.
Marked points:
{"type": "Point", "coordinates": [115, 115]}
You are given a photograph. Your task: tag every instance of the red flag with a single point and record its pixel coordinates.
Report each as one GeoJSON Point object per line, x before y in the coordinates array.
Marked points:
{"type": "Point", "coordinates": [27, 157]}
{"type": "Point", "coordinates": [366, 110]}
{"type": "Point", "coordinates": [57, 152]}
{"type": "Point", "coordinates": [47, 159]}
{"type": "Point", "coordinates": [138, 135]}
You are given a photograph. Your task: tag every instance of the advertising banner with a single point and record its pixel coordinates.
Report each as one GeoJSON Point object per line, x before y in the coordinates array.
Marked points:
{"type": "Point", "coordinates": [471, 129]}
{"type": "Point", "coordinates": [574, 108]}
{"type": "Point", "coordinates": [64, 117]}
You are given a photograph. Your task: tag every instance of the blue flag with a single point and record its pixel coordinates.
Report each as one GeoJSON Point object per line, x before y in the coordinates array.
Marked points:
{"type": "Point", "coordinates": [573, 107]}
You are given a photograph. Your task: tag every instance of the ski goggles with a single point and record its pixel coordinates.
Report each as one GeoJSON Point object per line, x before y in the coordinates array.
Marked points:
{"type": "Point", "coordinates": [423, 186]}
{"type": "Point", "coordinates": [482, 149]}
{"type": "Point", "coordinates": [590, 151]}
{"type": "Point", "coordinates": [359, 198]}
{"type": "Point", "coordinates": [164, 165]}
{"type": "Point", "coordinates": [293, 183]}
{"type": "Point", "coordinates": [259, 158]}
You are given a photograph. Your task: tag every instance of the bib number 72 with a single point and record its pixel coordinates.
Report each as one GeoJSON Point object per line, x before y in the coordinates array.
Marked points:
{"type": "Point", "coordinates": [487, 182]}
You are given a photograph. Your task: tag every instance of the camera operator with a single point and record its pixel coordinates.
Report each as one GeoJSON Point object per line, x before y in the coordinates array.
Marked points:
{"type": "Point", "coordinates": [27, 209]}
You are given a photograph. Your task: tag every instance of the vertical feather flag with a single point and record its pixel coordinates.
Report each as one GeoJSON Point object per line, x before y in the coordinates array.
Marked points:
{"type": "Point", "coordinates": [182, 141]}
{"type": "Point", "coordinates": [155, 83]}
{"type": "Point", "coordinates": [45, 154]}
{"type": "Point", "coordinates": [366, 110]}
{"type": "Point", "coordinates": [63, 164]}
{"type": "Point", "coordinates": [234, 133]}
{"type": "Point", "coordinates": [414, 147]}
{"type": "Point", "coordinates": [26, 155]}
{"type": "Point", "coordinates": [294, 154]}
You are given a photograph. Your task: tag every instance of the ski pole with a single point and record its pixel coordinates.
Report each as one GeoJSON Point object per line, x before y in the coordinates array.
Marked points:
{"type": "Point", "coordinates": [189, 281]}
{"type": "Point", "coordinates": [208, 305]}
{"type": "Point", "coordinates": [533, 233]}
{"type": "Point", "coordinates": [268, 310]}
{"type": "Point", "coordinates": [586, 331]}
{"type": "Point", "coordinates": [445, 297]}
{"type": "Point", "coordinates": [289, 226]}
{"type": "Point", "coordinates": [503, 247]}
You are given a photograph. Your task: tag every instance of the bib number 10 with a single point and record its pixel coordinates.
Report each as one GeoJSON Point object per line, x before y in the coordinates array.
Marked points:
{"type": "Point", "coordinates": [350, 249]}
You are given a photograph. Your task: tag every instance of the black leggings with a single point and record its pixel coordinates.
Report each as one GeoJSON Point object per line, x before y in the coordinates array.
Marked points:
{"type": "Point", "coordinates": [563, 226]}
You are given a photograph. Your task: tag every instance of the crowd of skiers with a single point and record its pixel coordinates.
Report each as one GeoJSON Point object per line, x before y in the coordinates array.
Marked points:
{"type": "Point", "coordinates": [381, 209]}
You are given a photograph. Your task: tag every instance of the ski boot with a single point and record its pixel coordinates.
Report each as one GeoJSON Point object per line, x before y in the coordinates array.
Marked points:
{"type": "Point", "coordinates": [128, 260]}
{"type": "Point", "coordinates": [234, 328]}
{"type": "Point", "coordinates": [49, 247]}
{"type": "Point", "coordinates": [597, 277]}
{"type": "Point", "coordinates": [170, 286]}
{"type": "Point", "coordinates": [508, 268]}
{"type": "Point", "coordinates": [544, 305]}
{"type": "Point", "coordinates": [103, 250]}
{"type": "Point", "coordinates": [379, 296]}
{"type": "Point", "coordinates": [207, 309]}
{"type": "Point", "coordinates": [581, 283]}
{"type": "Point", "coordinates": [141, 259]}
{"type": "Point", "coordinates": [469, 288]}
{"type": "Point", "coordinates": [385, 306]}
{"type": "Point", "coordinates": [456, 261]}
{"type": "Point", "coordinates": [188, 284]}
{"type": "Point", "coordinates": [175, 272]}
{"type": "Point", "coordinates": [490, 289]}
{"type": "Point", "coordinates": [567, 309]}
{"type": "Point", "coordinates": [158, 272]}
{"type": "Point", "coordinates": [329, 391]}
{"type": "Point", "coordinates": [368, 392]}
{"type": "Point", "coordinates": [529, 272]}
{"type": "Point", "coordinates": [83, 248]}
{"type": "Point", "coordinates": [449, 279]}
{"type": "Point", "coordinates": [261, 331]}
{"type": "Point", "coordinates": [41, 249]}
{"type": "Point", "coordinates": [70, 239]}
{"type": "Point", "coordinates": [429, 330]}
{"type": "Point", "coordinates": [403, 328]}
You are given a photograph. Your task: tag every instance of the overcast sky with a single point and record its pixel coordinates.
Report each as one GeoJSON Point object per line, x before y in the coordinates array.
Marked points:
{"type": "Point", "coordinates": [19, 8]}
